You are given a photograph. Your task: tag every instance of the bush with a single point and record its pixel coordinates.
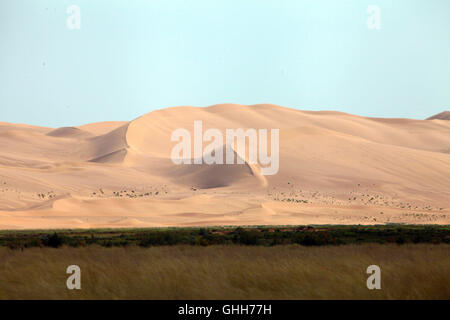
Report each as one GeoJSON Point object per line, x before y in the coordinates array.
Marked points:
{"type": "Point", "coordinates": [14, 245]}
{"type": "Point", "coordinates": [248, 238]}
{"type": "Point", "coordinates": [308, 240]}
{"type": "Point", "coordinates": [33, 243]}
{"type": "Point", "coordinates": [160, 238]}
{"type": "Point", "coordinates": [54, 241]}
{"type": "Point", "coordinates": [203, 242]}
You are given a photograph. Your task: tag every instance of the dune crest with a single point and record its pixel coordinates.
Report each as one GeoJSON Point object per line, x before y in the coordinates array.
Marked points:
{"type": "Point", "coordinates": [69, 132]}
{"type": "Point", "coordinates": [441, 116]}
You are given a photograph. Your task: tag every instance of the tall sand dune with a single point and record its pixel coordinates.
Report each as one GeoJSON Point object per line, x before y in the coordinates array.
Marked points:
{"type": "Point", "coordinates": [334, 168]}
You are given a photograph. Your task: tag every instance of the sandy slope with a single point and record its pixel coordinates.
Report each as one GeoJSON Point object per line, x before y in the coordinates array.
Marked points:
{"type": "Point", "coordinates": [445, 115]}
{"type": "Point", "coordinates": [335, 168]}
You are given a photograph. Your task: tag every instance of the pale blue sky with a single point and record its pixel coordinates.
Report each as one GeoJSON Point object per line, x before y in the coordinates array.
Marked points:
{"type": "Point", "coordinates": [132, 56]}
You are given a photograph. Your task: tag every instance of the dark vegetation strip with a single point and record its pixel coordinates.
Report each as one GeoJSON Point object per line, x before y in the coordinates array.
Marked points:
{"type": "Point", "coordinates": [264, 236]}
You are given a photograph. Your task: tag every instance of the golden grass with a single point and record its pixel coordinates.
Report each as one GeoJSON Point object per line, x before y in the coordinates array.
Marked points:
{"type": "Point", "coordinates": [227, 272]}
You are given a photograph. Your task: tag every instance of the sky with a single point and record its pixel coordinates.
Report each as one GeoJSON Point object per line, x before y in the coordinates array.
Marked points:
{"type": "Point", "coordinates": [130, 57]}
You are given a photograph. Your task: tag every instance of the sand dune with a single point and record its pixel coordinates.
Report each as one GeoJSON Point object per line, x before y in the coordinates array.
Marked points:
{"type": "Point", "coordinates": [69, 132]}
{"type": "Point", "coordinates": [334, 168]}
{"type": "Point", "coordinates": [98, 128]}
{"type": "Point", "coordinates": [441, 116]}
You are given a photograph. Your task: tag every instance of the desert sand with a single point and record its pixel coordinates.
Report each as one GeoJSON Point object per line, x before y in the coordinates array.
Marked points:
{"type": "Point", "coordinates": [335, 168]}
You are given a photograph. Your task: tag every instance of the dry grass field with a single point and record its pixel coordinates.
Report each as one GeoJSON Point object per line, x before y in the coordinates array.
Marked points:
{"type": "Point", "coordinates": [410, 271]}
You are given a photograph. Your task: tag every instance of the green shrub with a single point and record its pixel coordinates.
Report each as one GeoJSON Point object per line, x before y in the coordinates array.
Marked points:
{"type": "Point", "coordinates": [54, 241]}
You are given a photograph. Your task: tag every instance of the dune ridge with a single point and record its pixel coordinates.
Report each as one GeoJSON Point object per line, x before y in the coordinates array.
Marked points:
{"type": "Point", "coordinates": [445, 115]}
